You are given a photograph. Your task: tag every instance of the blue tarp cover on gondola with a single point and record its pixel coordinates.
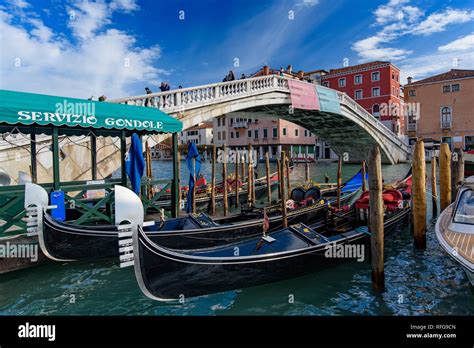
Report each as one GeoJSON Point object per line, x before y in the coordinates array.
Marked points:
{"type": "Point", "coordinates": [135, 163]}
{"type": "Point", "coordinates": [355, 182]}
{"type": "Point", "coordinates": [192, 153]}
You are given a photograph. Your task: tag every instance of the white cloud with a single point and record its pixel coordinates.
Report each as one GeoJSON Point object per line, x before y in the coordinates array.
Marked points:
{"type": "Point", "coordinates": [462, 44]}
{"type": "Point", "coordinates": [124, 5]}
{"type": "Point", "coordinates": [436, 63]}
{"type": "Point", "coordinates": [87, 17]}
{"type": "Point", "coordinates": [398, 19]}
{"type": "Point", "coordinates": [41, 31]}
{"type": "Point", "coordinates": [307, 3]}
{"type": "Point", "coordinates": [19, 3]}
{"type": "Point", "coordinates": [413, 13]}
{"type": "Point", "coordinates": [104, 60]}
{"type": "Point", "coordinates": [389, 12]}
{"type": "Point", "coordinates": [395, 16]}
{"type": "Point", "coordinates": [437, 22]}
{"type": "Point", "coordinates": [370, 49]}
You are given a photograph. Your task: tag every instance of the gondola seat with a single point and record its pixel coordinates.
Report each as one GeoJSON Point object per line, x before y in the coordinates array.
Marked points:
{"type": "Point", "coordinates": [297, 194]}
{"type": "Point", "coordinates": [313, 192]}
{"type": "Point", "coordinates": [203, 220]}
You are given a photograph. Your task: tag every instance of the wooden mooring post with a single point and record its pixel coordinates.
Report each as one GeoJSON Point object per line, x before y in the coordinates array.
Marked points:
{"type": "Point", "coordinates": [193, 198]}
{"type": "Point", "coordinates": [213, 181]}
{"type": "Point", "coordinates": [254, 198]}
{"type": "Point", "coordinates": [249, 174]}
{"type": "Point", "coordinates": [457, 172]}
{"type": "Point", "coordinates": [434, 187]}
{"type": "Point", "coordinates": [287, 168]}
{"type": "Point", "coordinates": [279, 177]}
{"type": "Point", "coordinates": [242, 165]}
{"type": "Point", "coordinates": [149, 172]}
{"type": "Point", "coordinates": [178, 168]}
{"type": "Point", "coordinates": [237, 180]}
{"type": "Point", "coordinates": [445, 176]}
{"type": "Point", "coordinates": [339, 181]}
{"type": "Point", "coordinates": [376, 219]}
{"type": "Point", "coordinates": [267, 172]}
{"type": "Point", "coordinates": [419, 195]}
{"type": "Point", "coordinates": [364, 174]}
{"type": "Point", "coordinates": [284, 219]}
{"type": "Point", "coordinates": [306, 169]}
{"type": "Point", "coordinates": [224, 180]}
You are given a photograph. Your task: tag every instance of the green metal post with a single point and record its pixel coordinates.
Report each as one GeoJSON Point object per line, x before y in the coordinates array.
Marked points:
{"type": "Point", "coordinates": [94, 156]}
{"type": "Point", "coordinates": [34, 167]}
{"type": "Point", "coordinates": [175, 183]}
{"type": "Point", "coordinates": [56, 169]}
{"type": "Point", "coordinates": [123, 154]}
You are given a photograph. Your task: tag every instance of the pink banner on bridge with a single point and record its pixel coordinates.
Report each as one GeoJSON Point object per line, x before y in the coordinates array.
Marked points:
{"type": "Point", "coordinates": [303, 95]}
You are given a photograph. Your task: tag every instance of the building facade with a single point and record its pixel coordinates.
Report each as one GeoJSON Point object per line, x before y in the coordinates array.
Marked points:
{"type": "Point", "coordinates": [201, 134]}
{"type": "Point", "coordinates": [267, 134]}
{"type": "Point", "coordinates": [446, 109]}
{"type": "Point", "coordinates": [375, 86]}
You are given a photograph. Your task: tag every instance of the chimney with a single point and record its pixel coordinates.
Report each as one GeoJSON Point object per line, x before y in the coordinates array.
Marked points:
{"type": "Point", "coordinates": [289, 69]}
{"type": "Point", "coordinates": [409, 79]}
{"type": "Point", "coordinates": [266, 70]}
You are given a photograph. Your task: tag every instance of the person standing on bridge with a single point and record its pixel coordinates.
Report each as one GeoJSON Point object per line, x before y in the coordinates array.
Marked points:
{"type": "Point", "coordinates": [164, 86]}
{"type": "Point", "coordinates": [148, 100]}
{"type": "Point", "coordinates": [230, 76]}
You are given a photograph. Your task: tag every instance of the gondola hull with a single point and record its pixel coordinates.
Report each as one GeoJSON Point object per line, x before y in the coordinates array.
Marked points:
{"type": "Point", "coordinates": [63, 241]}
{"type": "Point", "coordinates": [164, 274]}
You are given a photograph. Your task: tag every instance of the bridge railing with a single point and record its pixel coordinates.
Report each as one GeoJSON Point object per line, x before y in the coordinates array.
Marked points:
{"type": "Point", "coordinates": [348, 101]}
{"type": "Point", "coordinates": [182, 99]}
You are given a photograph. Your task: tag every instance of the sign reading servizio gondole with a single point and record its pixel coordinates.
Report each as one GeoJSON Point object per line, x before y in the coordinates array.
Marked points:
{"type": "Point", "coordinates": [86, 120]}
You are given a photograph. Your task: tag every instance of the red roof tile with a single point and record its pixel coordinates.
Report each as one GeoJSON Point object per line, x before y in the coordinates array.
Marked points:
{"type": "Point", "coordinates": [453, 74]}
{"type": "Point", "coordinates": [357, 67]}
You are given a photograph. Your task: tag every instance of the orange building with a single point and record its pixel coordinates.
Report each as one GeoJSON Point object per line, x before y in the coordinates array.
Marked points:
{"type": "Point", "coordinates": [446, 109]}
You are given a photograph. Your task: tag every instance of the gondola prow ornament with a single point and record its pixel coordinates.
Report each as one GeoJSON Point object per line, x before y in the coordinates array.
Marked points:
{"type": "Point", "coordinates": [129, 216]}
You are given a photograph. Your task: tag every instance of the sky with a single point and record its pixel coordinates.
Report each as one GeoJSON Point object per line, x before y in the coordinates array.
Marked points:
{"type": "Point", "coordinates": [83, 48]}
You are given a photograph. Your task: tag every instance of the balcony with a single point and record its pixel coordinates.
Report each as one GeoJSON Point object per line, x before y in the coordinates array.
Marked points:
{"type": "Point", "coordinates": [412, 127]}
{"type": "Point", "coordinates": [240, 124]}
{"type": "Point", "coordinates": [446, 125]}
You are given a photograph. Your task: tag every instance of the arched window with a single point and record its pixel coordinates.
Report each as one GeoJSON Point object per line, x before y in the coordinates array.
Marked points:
{"type": "Point", "coordinates": [446, 117]}
{"type": "Point", "coordinates": [376, 110]}
{"type": "Point", "coordinates": [446, 114]}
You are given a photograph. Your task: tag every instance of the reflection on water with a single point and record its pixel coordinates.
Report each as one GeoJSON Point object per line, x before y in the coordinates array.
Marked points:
{"type": "Point", "coordinates": [418, 282]}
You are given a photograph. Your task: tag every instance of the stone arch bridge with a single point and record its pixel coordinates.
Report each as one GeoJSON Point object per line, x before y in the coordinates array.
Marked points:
{"type": "Point", "coordinates": [353, 130]}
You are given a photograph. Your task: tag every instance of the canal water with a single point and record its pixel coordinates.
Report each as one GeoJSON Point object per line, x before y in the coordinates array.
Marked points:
{"type": "Point", "coordinates": [417, 282]}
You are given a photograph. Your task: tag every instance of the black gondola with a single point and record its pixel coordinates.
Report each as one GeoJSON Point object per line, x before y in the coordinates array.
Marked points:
{"type": "Point", "coordinates": [169, 274]}
{"type": "Point", "coordinates": [203, 195]}
{"type": "Point", "coordinates": [62, 241]}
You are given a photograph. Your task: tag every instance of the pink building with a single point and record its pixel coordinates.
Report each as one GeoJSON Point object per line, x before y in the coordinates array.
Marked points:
{"type": "Point", "coordinates": [266, 134]}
